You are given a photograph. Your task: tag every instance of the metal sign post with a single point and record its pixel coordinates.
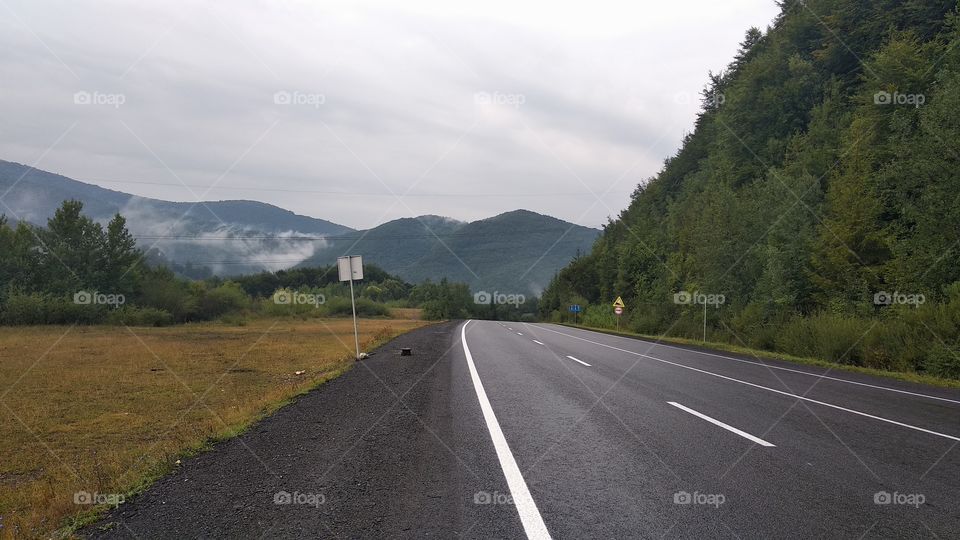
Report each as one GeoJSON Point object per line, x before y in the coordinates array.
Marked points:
{"type": "Point", "coordinates": [351, 268]}
{"type": "Point", "coordinates": [618, 307]}
{"type": "Point", "coordinates": [704, 322]}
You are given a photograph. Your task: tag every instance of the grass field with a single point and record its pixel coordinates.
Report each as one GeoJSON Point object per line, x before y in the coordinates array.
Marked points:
{"type": "Point", "coordinates": [106, 410]}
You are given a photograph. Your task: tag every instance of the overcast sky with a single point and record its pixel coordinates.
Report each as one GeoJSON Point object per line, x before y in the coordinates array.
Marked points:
{"type": "Point", "coordinates": [361, 112]}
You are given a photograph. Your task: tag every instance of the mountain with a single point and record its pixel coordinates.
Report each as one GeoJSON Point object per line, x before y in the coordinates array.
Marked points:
{"type": "Point", "coordinates": [515, 252]}
{"type": "Point", "coordinates": [817, 196]}
{"type": "Point", "coordinates": [230, 237]}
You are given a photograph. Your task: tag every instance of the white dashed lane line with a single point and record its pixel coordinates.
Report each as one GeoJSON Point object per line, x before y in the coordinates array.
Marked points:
{"type": "Point", "coordinates": [578, 360]}
{"type": "Point", "coordinates": [716, 422]}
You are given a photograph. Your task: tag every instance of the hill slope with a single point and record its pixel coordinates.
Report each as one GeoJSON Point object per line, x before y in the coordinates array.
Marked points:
{"type": "Point", "coordinates": [820, 180]}
{"type": "Point", "coordinates": [173, 227]}
{"type": "Point", "coordinates": [517, 251]}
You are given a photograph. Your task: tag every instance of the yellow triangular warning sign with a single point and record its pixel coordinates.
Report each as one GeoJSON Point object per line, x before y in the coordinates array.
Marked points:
{"type": "Point", "coordinates": [619, 303]}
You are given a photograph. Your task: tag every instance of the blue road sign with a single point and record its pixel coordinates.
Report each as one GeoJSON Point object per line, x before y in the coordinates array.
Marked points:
{"type": "Point", "coordinates": [575, 308]}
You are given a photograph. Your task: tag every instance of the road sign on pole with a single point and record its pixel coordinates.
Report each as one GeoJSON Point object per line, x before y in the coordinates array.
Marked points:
{"type": "Point", "coordinates": [351, 268]}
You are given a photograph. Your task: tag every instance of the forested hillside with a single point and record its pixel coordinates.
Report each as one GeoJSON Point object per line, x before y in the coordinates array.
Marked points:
{"type": "Point", "coordinates": [816, 199]}
{"type": "Point", "coordinates": [514, 252]}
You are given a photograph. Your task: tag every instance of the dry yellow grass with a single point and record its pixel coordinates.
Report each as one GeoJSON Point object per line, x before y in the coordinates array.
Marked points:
{"type": "Point", "coordinates": [406, 313]}
{"type": "Point", "coordinates": [108, 409]}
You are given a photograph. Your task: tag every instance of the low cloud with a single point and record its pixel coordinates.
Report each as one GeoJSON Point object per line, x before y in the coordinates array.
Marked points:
{"type": "Point", "coordinates": [190, 99]}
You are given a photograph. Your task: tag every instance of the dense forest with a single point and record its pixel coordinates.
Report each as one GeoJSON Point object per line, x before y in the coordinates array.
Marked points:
{"type": "Point", "coordinates": [814, 209]}
{"type": "Point", "coordinates": [76, 270]}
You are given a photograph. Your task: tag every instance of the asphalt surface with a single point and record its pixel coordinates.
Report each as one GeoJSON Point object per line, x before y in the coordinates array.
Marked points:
{"type": "Point", "coordinates": [513, 430]}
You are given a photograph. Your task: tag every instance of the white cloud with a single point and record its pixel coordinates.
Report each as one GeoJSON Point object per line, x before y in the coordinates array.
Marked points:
{"type": "Point", "coordinates": [602, 87]}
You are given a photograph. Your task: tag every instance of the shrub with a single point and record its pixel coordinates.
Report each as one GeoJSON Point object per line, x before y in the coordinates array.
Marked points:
{"type": "Point", "coordinates": [944, 362]}
{"type": "Point", "coordinates": [36, 308]}
{"type": "Point", "coordinates": [162, 291]}
{"type": "Point", "coordinates": [894, 344]}
{"type": "Point", "coordinates": [826, 336]}
{"type": "Point", "coordinates": [598, 316]}
{"type": "Point", "coordinates": [226, 298]}
{"type": "Point", "coordinates": [139, 316]}
{"type": "Point", "coordinates": [340, 306]}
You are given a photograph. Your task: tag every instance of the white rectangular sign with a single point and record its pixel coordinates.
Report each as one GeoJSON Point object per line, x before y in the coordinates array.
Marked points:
{"type": "Point", "coordinates": [350, 267]}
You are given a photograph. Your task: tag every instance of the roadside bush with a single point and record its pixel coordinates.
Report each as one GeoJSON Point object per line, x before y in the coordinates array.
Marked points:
{"type": "Point", "coordinates": [226, 298]}
{"type": "Point", "coordinates": [24, 309]}
{"type": "Point", "coordinates": [162, 291]}
{"type": "Point", "coordinates": [943, 362]}
{"type": "Point", "coordinates": [139, 316]}
{"type": "Point", "coordinates": [436, 310]}
{"type": "Point", "coordinates": [37, 308]}
{"type": "Point", "coordinates": [895, 344]}
{"type": "Point", "coordinates": [598, 316]}
{"type": "Point", "coordinates": [340, 307]}
{"type": "Point", "coordinates": [827, 336]}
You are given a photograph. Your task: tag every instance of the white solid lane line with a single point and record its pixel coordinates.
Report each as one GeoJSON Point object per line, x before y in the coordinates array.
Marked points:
{"type": "Point", "coordinates": [767, 388]}
{"type": "Point", "coordinates": [836, 379]}
{"type": "Point", "coordinates": [538, 342]}
{"type": "Point", "coordinates": [727, 427]}
{"type": "Point", "coordinates": [530, 517]}
{"type": "Point", "coordinates": [576, 360]}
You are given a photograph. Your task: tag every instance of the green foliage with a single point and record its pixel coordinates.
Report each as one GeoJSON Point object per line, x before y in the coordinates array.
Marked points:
{"type": "Point", "coordinates": [943, 362]}
{"type": "Point", "coordinates": [43, 268]}
{"type": "Point", "coordinates": [443, 300]}
{"type": "Point", "coordinates": [826, 336]}
{"type": "Point", "coordinates": [225, 298]}
{"type": "Point", "coordinates": [514, 252]}
{"type": "Point", "coordinates": [821, 172]}
{"type": "Point", "coordinates": [340, 306]}
{"type": "Point", "coordinates": [139, 316]}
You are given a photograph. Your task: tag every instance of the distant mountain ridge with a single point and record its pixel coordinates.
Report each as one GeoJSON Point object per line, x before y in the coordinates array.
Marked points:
{"type": "Point", "coordinates": [39, 193]}
{"type": "Point", "coordinates": [514, 252]}
{"type": "Point", "coordinates": [261, 232]}
{"type": "Point", "coordinates": [517, 251]}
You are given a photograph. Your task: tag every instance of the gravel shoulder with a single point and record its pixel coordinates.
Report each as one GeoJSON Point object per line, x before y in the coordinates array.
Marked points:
{"type": "Point", "coordinates": [393, 448]}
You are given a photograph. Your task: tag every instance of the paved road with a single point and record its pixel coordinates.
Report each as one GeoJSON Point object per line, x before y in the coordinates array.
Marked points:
{"type": "Point", "coordinates": [513, 430]}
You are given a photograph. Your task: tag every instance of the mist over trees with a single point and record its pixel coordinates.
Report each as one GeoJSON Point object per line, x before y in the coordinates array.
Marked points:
{"type": "Point", "coordinates": [818, 195]}
{"type": "Point", "coordinates": [75, 270]}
